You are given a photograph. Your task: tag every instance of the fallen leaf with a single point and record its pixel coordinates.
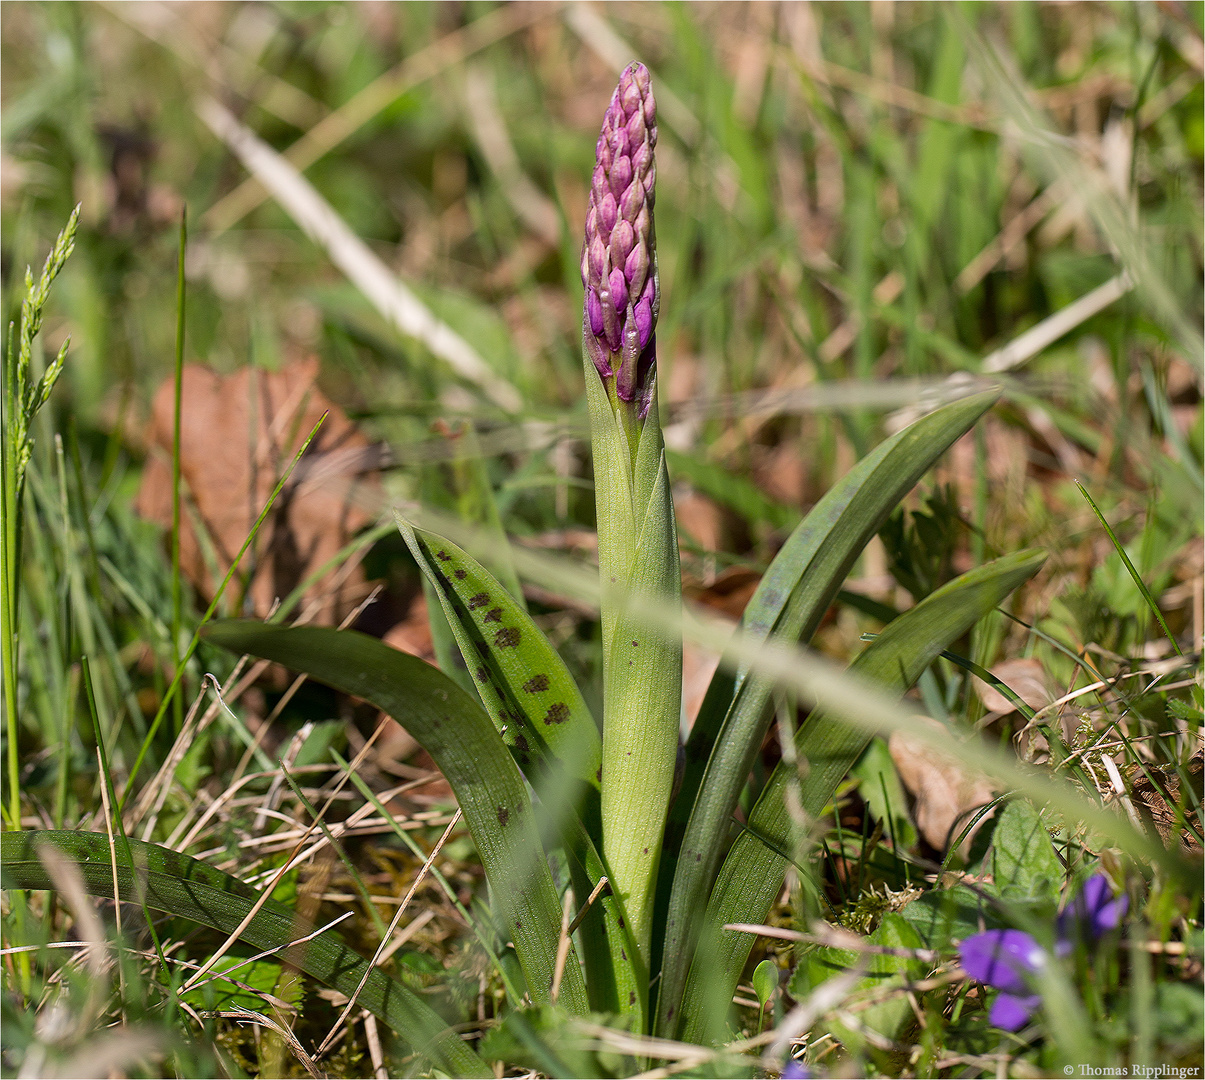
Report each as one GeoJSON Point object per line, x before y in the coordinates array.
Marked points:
{"type": "Point", "coordinates": [944, 789]}
{"type": "Point", "coordinates": [239, 432]}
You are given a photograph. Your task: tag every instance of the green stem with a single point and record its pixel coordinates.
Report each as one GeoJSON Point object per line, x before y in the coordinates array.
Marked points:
{"type": "Point", "coordinates": [177, 408]}
{"type": "Point", "coordinates": [8, 591]}
{"type": "Point", "coordinates": [1146, 593]}
{"type": "Point", "coordinates": [642, 697]}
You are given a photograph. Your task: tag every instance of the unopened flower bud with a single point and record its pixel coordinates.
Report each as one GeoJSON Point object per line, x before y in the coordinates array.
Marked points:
{"type": "Point", "coordinates": [619, 256]}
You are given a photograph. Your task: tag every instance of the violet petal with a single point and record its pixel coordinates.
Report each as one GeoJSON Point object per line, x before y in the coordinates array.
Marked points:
{"type": "Point", "coordinates": [1002, 958]}
{"type": "Point", "coordinates": [1010, 1012]}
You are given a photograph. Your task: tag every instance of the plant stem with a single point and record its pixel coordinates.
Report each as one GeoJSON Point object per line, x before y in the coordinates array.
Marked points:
{"type": "Point", "coordinates": [177, 602]}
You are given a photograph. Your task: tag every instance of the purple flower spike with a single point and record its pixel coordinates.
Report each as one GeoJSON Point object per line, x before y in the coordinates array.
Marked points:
{"type": "Point", "coordinates": [1002, 958]}
{"type": "Point", "coordinates": [619, 256]}
{"type": "Point", "coordinates": [796, 1070]}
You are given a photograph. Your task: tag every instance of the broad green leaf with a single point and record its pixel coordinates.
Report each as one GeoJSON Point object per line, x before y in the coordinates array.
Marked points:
{"type": "Point", "coordinates": [1023, 862]}
{"type": "Point", "coordinates": [752, 873]}
{"type": "Point", "coordinates": [462, 740]}
{"type": "Point", "coordinates": [223, 993]}
{"type": "Point", "coordinates": [789, 603]}
{"type": "Point", "coordinates": [882, 972]}
{"type": "Point", "coordinates": [190, 889]}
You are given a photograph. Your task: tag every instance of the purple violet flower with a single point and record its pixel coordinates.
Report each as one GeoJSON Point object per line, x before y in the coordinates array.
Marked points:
{"type": "Point", "coordinates": [1092, 914]}
{"type": "Point", "coordinates": [796, 1070]}
{"type": "Point", "coordinates": [619, 256]}
{"type": "Point", "coordinates": [1009, 959]}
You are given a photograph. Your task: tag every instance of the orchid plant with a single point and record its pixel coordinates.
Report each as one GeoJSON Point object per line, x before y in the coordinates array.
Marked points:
{"type": "Point", "coordinates": [656, 877]}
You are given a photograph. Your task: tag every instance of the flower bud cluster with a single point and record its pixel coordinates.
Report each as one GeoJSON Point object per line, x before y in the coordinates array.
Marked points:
{"type": "Point", "coordinates": [619, 258]}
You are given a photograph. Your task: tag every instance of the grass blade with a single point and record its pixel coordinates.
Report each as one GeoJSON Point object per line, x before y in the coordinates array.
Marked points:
{"type": "Point", "coordinates": [1130, 568]}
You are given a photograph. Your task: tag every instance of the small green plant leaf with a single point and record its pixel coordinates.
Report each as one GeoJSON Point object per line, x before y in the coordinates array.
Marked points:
{"type": "Point", "coordinates": [190, 889]}
{"type": "Point", "coordinates": [944, 916]}
{"type": "Point", "coordinates": [752, 873]}
{"type": "Point", "coordinates": [461, 738]}
{"type": "Point", "coordinates": [1023, 861]}
{"type": "Point", "coordinates": [765, 981]}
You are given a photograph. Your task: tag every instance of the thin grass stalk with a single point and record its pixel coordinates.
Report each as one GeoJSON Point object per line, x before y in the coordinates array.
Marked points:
{"type": "Point", "coordinates": [177, 411]}
{"type": "Point", "coordinates": [8, 585]}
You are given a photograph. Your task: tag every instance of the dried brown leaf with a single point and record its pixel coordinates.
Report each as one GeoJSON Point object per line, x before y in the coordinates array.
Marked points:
{"type": "Point", "coordinates": [238, 434]}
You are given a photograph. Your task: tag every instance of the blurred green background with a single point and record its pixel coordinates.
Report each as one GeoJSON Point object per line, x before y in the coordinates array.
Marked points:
{"type": "Point", "coordinates": [856, 205]}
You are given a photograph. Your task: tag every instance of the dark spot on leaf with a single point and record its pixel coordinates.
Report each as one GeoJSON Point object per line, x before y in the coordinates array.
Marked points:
{"type": "Point", "coordinates": [620, 922]}
{"type": "Point", "coordinates": [631, 997]}
{"type": "Point", "coordinates": [518, 924]}
{"type": "Point", "coordinates": [480, 600]}
{"type": "Point", "coordinates": [558, 714]}
{"type": "Point", "coordinates": [698, 858]}
{"type": "Point", "coordinates": [623, 954]}
{"type": "Point", "coordinates": [503, 815]}
{"type": "Point", "coordinates": [507, 637]}
{"type": "Point", "coordinates": [536, 683]}
{"type": "Point", "coordinates": [460, 575]}
{"type": "Point", "coordinates": [635, 644]}
{"type": "Point", "coordinates": [493, 615]}
{"type": "Point", "coordinates": [669, 1013]}
{"type": "Point", "coordinates": [524, 760]}
{"type": "Point", "coordinates": [598, 774]}
{"type": "Point", "coordinates": [443, 556]}
{"type": "Point", "coordinates": [770, 597]}
{"type": "Point", "coordinates": [646, 851]}
{"type": "Point", "coordinates": [521, 742]}
{"type": "Point", "coordinates": [482, 675]}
